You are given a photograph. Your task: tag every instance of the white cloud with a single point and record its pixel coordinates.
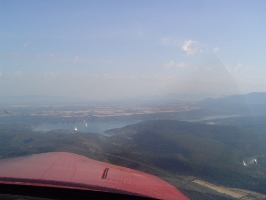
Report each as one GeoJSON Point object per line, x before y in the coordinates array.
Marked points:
{"type": "Point", "coordinates": [172, 64]}
{"type": "Point", "coordinates": [196, 67]}
{"type": "Point", "coordinates": [180, 65]}
{"type": "Point", "coordinates": [76, 59]}
{"type": "Point", "coordinates": [237, 67]}
{"type": "Point", "coordinates": [233, 68]}
{"type": "Point", "coordinates": [216, 49]}
{"type": "Point", "coordinates": [190, 47]}
{"type": "Point", "coordinates": [18, 73]}
{"type": "Point", "coordinates": [169, 65]}
{"type": "Point", "coordinates": [207, 69]}
{"type": "Point", "coordinates": [27, 44]}
{"type": "Point", "coordinates": [50, 74]}
{"type": "Point", "coordinates": [228, 68]}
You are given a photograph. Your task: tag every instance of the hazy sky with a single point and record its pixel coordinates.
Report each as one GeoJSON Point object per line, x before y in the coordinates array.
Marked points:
{"type": "Point", "coordinates": [113, 49]}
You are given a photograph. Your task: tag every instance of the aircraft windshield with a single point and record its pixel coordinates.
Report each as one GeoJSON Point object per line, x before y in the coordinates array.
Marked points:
{"type": "Point", "coordinates": [176, 89]}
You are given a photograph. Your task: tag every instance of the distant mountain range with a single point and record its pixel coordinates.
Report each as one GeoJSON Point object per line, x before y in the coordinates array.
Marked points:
{"type": "Point", "coordinates": [252, 103]}
{"type": "Point", "coordinates": [251, 98]}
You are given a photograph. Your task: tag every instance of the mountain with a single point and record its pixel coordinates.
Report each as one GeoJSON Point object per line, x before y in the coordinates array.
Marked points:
{"type": "Point", "coordinates": [256, 98]}
{"type": "Point", "coordinates": [248, 104]}
{"type": "Point", "coordinates": [251, 98]}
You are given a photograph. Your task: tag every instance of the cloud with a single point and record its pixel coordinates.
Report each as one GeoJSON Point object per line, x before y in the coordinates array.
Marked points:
{"type": "Point", "coordinates": [196, 68]}
{"type": "Point", "coordinates": [172, 64]}
{"type": "Point", "coordinates": [169, 65]}
{"type": "Point", "coordinates": [233, 68]}
{"type": "Point", "coordinates": [237, 67]}
{"type": "Point", "coordinates": [0, 73]}
{"type": "Point", "coordinates": [50, 74]}
{"type": "Point", "coordinates": [27, 44]}
{"type": "Point", "coordinates": [207, 69]}
{"type": "Point", "coordinates": [180, 65]}
{"type": "Point", "coordinates": [216, 49]}
{"type": "Point", "coordinates": [76, 59]}
{"type": "Point", "coordinates": [18, 73]}
{"type": "Point", "coordinates": [190, 47]}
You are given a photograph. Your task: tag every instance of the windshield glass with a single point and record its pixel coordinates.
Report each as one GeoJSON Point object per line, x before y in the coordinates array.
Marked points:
{"type": "Point", "coordinates": [176, 89]}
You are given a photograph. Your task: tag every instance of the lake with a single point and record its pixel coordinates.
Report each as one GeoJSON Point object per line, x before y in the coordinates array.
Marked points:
{"type": "Point", "coordinates": [211, 117]}
{"type": "Point", "coordinates": [95, 127]}
{"type": "Point", "coordinates": [100, 127]}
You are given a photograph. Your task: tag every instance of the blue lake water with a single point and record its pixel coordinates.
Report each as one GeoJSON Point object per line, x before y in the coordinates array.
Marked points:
{"type": "Point", "coordinates": [95, 127]}
{"type": "Point", "coordinates": [100, 127]}
{"type": "Point", "coordinates": [197, 119]}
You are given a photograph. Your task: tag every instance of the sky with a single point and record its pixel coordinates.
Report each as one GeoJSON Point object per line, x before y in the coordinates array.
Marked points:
{"type": "Point", "coordinates": [130, 49]}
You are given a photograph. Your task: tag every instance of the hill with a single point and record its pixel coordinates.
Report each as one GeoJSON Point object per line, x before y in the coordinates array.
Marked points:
{"type": "Point", "coordinates": [211, 152]}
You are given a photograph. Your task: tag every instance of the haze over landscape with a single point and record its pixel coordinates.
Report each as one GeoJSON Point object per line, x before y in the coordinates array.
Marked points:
{"type": "Point", "coordinates": [176, 89]}
{"type": "Point", "coordinates": [213, 146]}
